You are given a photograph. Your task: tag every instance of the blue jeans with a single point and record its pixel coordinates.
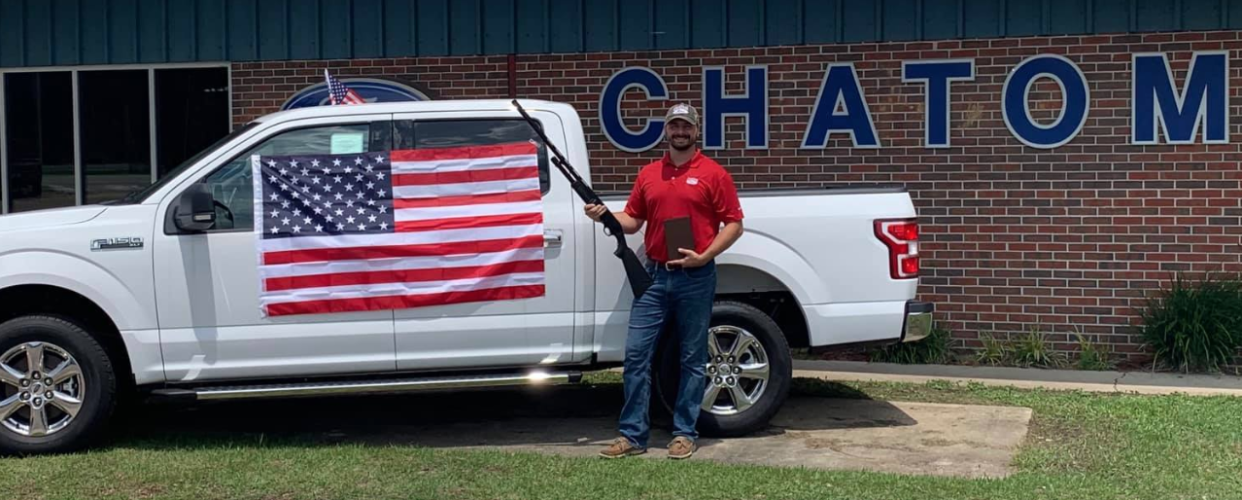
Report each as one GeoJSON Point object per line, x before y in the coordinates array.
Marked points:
{"type": "Point", "coordinates": [686, 295]}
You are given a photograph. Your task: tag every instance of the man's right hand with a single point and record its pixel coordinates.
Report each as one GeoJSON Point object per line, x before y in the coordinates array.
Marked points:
{"type": "Point", "coordinates": [595, 212]}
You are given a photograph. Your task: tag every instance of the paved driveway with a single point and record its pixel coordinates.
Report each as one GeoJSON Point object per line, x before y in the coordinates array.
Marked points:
{"type": "Point", "coordinates": [914, 438]}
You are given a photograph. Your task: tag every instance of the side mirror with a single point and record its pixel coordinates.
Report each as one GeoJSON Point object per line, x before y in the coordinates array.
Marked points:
{"type": "Point", "coordinates": [196, 210]}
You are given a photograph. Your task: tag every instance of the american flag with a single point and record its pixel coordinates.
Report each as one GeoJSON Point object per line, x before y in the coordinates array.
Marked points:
{"type": "Point", "coordinates": [339, 93]}
{"type": "Point", "coordinates": [410, 228]}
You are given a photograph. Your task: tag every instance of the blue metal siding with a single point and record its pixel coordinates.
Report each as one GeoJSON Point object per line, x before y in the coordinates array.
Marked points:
{"type": "Point", "coordinates": [859, 20]}
{"type": "Point", "coordinates": [745, 23]}
{"type": "Point", "coordinates": [707, 24]}
{"type": "Point", "coordinates": [635, 23]}
{"type": "Point", "coordinates": [181, 27]}
{"type": "Point", "coordinates": [65, 32]}
{"type": "Point", "coordinates": [940, 19]}
{"type": "Point", "coordinates": [304, 34]}
{"type": "Point", "coordinates": [1202, 14]}
{"type": "Point", "coordinates": [1023, 18]}
{"type": "Point", "coordinates": [783, 22]}
{"type": "Point", "coordinates": [498, 25]}
{"type": "Point", "coordinates": [400, 28]}
{"type": "Point", "coordinates": [565, 25]}
{"type": "Point", "coordinates": [38, 32]}
{"type": "Point", "coordinates": [71, 32]}
{"type": "Point", "coordinates": [367, 20]}
{"type": "Point", "coordinates": [601, 25]}
{"type": "Point", "coordinates": [822, 21]}
{"type": "Point", "coordinates": [138, 37]}
{"type": "Point", "coordinates": [1068, 16]}
{"type": "Point", "coordinates": [212, 30]}
{"type": "Point", "coordinates": [671, 20]}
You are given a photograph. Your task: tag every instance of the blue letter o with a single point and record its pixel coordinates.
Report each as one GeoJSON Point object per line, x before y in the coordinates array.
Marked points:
{"type": "Point", "coordinates": [1076, 99]}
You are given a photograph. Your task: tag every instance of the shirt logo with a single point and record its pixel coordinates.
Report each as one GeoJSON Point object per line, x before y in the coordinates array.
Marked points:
{"type": "Point", "coordinates": [692, 181]}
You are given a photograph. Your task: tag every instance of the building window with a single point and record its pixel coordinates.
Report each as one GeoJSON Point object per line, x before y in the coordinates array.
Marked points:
{"type": "Point", "coordinates": [133, 127]}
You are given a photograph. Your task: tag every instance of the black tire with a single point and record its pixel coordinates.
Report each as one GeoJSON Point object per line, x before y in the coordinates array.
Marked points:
{"type": "Point", "coordinates": [98, 377]}
{"type": "Point", "coordinates": [666, 375]}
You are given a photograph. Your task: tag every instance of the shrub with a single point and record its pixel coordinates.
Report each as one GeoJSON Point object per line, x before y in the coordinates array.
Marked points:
{"type": "Point", "coordinates": [1194, 325]}
{"type": "Point", "coordinates": [994, 352]}
{"type": "Point", "coordinates": [1034, 350]}
{"type": "Point", "coordinates": [1091, 356]}
{"type": "Point", "coordinates": [931, 350]}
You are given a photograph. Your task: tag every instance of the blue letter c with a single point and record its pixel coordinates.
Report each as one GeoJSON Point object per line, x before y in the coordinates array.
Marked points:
{"type": "Point", "coordinates": [610, 109]}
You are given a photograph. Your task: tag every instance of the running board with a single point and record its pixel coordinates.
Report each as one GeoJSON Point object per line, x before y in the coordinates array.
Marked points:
{"type": "Point", "coordinates": [537, 378]}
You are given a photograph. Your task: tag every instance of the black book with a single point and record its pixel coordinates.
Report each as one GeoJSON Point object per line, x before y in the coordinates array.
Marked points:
{"type": "Point", "coordinates": [677, 234]}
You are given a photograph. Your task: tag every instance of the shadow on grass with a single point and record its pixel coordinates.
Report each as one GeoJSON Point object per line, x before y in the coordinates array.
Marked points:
{"type": "Point", "coordinates": [582, 415]}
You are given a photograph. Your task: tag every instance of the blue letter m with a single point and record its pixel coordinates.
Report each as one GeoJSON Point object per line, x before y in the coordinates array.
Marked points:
{"type": "Point", "coordinates": [1204, 98]}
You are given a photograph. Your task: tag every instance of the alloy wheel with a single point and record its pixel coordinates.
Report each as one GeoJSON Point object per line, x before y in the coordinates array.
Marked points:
{"type": "Point", "coordinates": [41, 389]}
{"type": "Point", "coordinates": [737, 370]}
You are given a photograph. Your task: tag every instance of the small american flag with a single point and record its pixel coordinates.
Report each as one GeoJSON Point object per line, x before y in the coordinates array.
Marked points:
{"type": "Point", "coordinates": [339, 93]}
{"type": "Point", "coordinates": [410, 228]}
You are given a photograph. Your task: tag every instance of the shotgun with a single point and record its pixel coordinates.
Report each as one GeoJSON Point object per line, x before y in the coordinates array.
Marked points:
{"type": "Point", "coordinates": [638, 277]}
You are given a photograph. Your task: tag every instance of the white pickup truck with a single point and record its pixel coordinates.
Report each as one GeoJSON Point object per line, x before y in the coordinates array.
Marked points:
{"type": "Point", "coordinates": [157, 294]}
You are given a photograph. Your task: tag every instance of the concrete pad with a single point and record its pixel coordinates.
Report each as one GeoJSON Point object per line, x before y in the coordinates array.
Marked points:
{"type": "Point", "coordinates": [1025, 378]}
{"type": "Point", "coordinates": [853, 434]}
{"type": "Point", "coordinates": [578, 421]}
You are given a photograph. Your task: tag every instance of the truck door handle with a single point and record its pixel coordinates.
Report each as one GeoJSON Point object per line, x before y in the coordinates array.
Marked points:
{"type": "Point", "coordinates": [552, 238]}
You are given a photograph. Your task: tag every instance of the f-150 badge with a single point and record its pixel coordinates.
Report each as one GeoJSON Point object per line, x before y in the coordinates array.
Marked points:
{"type": "Point", "coordinates": [131, 243]}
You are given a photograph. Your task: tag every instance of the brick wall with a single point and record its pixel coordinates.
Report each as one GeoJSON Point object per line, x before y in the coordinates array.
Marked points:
{"type": "Point", "coordinates": [1013, 236]}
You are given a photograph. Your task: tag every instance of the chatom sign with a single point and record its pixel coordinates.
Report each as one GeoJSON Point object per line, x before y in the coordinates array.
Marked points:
{"type": "Point", "coordinates": [1199, 109]}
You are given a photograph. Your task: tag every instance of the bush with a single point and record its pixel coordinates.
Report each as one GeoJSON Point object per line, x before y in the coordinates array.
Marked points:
{"type": "Point", "coordinates": [994, 352]}
{"type": "Point", "coordinates": [1091, 356]}
{"type": "Point", "coordinates": [931, 350]}
{"type": "Point", "coordinates": [1034, 350]}
{"type": "Point", "coordinates": [1194, 325]}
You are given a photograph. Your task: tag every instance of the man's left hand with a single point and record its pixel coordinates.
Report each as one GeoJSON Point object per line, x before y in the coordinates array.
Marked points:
{"type": "Point", "coordinates": [691, 259]}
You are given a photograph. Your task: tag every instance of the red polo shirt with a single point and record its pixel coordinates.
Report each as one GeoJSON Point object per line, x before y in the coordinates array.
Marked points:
{"type": "Point", "coordinates": [700, 189]}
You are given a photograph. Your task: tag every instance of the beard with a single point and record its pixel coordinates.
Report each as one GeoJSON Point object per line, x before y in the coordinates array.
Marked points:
{"type": "Point", "coordinates": [681, 143]}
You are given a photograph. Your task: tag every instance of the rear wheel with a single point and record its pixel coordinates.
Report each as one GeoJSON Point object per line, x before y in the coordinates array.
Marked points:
{"type": "Point", "coordinates": [748, 371]}
{"type": "Point", "coordinates": [57, 386]}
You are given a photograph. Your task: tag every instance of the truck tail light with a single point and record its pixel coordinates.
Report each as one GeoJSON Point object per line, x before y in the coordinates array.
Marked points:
{"type": "Point", "coordinates": [901, 236]}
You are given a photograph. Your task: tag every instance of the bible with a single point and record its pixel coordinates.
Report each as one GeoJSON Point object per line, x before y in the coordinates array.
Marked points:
{"type": "Point", "coordinates": [677, 234]}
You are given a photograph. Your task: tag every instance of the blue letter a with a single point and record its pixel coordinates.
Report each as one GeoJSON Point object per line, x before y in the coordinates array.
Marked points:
{"type": "Point", "coordinates": [841, 86]}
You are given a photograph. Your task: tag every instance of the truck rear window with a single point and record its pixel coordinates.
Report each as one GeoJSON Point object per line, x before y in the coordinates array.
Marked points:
{"type": "Point", "coordinates": [411, 134]}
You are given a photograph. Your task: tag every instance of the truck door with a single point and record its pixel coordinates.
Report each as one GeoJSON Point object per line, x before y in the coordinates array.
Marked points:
{"type": "Point", "coordinates": [521, 331]}
{"type": "Point", "coordinates": [211, 322]}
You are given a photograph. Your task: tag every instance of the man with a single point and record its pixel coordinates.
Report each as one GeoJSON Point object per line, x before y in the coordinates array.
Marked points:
{"type": "Point", "coordinates": [684, 183]}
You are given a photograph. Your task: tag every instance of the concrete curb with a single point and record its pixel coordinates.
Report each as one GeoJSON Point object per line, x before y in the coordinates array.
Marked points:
{"type": "Point", "coordinates": [1027, 378]}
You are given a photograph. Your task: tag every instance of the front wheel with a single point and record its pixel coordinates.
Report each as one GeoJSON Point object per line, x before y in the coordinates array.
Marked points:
{"type": "Point", "coordinates": [57, 386]}
{"type": "Point", "coordinates": [748, 371]}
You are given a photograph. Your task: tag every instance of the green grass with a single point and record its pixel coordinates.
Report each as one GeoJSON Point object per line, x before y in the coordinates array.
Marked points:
{"type": "Point", "coordinates": [1081, 446]}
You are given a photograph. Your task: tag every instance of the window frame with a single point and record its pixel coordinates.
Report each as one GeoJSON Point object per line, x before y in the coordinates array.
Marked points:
{"type": "Point", "coordinates": [170, 227]}
{"type": "Point", "coordinates": [544, 164]}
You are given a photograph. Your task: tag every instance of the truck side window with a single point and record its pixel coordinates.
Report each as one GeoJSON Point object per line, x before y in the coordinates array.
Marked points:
{"type": "Point", "coordinates": [232, 183]}
{"type": "Point", "coordinates": [418, 134]}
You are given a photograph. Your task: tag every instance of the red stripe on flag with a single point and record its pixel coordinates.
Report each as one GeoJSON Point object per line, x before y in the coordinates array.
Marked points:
{"type": "Point", "coordinates": [395, 251]}
{"type": "Point", "coordinates": [459, 176]}
{"type": "Point", "coordinates": [469, 222]}
{"type": "Point", "coordinates": [464, 152]}
{"type": "Point", "coordinates": [403, 276]}
{"type": "Point", "coordinates": [405, 301]}
{"type": "Point", "coordinates": [468, 199]}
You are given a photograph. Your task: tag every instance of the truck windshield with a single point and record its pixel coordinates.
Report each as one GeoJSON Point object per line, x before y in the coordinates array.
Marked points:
{"type": "Point", "coordinates": [137, 196]}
